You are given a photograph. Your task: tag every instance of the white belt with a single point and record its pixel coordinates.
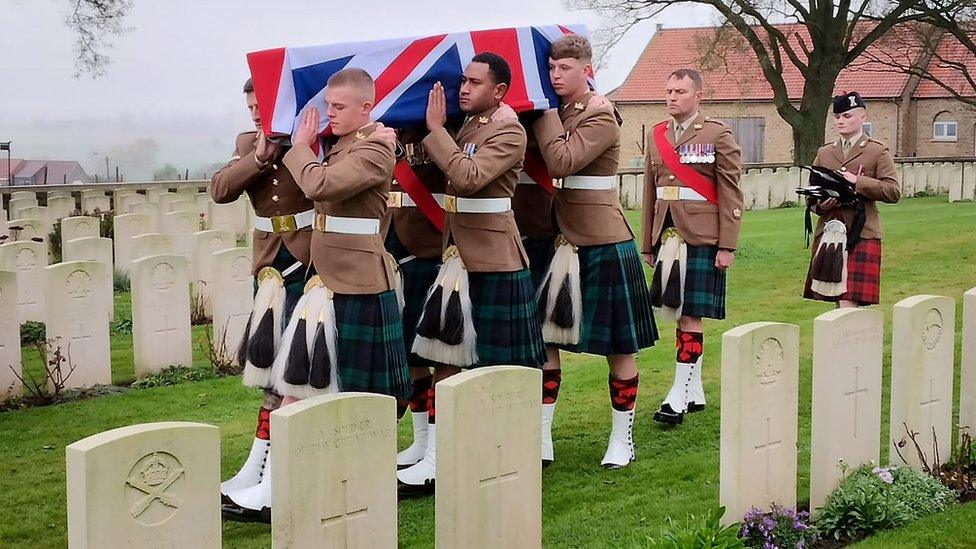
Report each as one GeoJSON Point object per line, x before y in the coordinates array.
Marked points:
{"type": "Point", "coordinates": [587, 182]}
{"type": "Point", "coordinates": [456, 204]}
{"type": "Point", "coordinates": [680, 193]}
{"type": "Point", "coordinates": [346, 225]}
{"type": "Point", "coordinates": [284, 223]}
{"type": "Point", "coordinates": [400, 199]}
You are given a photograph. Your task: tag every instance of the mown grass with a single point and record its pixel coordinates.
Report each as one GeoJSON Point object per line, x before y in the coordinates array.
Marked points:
{"type": "Point", "coordinates": [930, 247]}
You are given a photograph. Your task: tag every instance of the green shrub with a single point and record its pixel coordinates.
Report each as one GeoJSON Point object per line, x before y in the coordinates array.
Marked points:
{"type": "Point", "coordinates": [174, 375]}
{"type": "Point", "coordinates": [871, 499]}
{"type": "Point", "coordinates": [122, 326]}
{"type": "Point", "coordinates": [697, 532]}
{"type": "Point", "coordinates": [54, 244]}
{"type": "Point", "coordinates": [121, 281]}
{"type": "Point", "coordinates": [32, 332]}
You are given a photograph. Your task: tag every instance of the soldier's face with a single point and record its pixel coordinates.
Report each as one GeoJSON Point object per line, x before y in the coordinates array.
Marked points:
{"type": "Point", "coordinates": [568, 76]}
{"type": "Point", "coordinates": [346, 108]}
{"type": "Point", "coordinates": [479, 92]}
{"type": "Point", "coordinates": [252, 107]}
{"type": "Point", "coordinates": [682, 97]}
{"type": "Point", "coordinates": [850, 122]}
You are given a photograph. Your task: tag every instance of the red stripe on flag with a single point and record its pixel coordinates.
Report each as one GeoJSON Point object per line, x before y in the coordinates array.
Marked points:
{"type": "Point", "coordinates": [404, 64]}
{"type": "Point", "coordinates": [565, 30]}
{"type": "Point", "coordinates": [535, 167]}
{"type": "Point", "coordinates": [420, 194]}
{"type": "Point", "coordinates": [505, 43]}
{"type": "Point", "coordinates": [266, 67]}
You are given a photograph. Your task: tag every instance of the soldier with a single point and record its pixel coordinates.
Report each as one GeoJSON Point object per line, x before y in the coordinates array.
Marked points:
{"type": "Point", "coordinates": [594, 297]}
{"type": "Point", "coordinates": [484, 286]}
{"type": "Point", "coordinates": [855, 227]}
{"type": "Point", "coordinates": [531, 205]}
{"type": "Point", "coordinates": [691, 215]}
{"type": "Point", "coordinates": [282, 232]}
{"type": "Point", "coordinates": [345, 333]}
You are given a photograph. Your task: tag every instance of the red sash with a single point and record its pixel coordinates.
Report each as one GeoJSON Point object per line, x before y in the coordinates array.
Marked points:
{"type": "Point", "coordinates": [535, 167]}
{"type": "Point", "coordinates": [685, 173]}
{"type": "Point", "coordinates": [419, 193]}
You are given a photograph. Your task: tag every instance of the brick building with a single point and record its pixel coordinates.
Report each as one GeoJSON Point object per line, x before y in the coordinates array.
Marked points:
{"type": "Point", "coordinates": [915, 117]}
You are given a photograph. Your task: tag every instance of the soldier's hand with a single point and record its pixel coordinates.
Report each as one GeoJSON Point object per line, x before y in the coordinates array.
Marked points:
{"type": "Point", "coordinates": [598, 102]}
{"type": "Point", "coordinates": [436, 108]}
{"type": "Point", "coordinates": [384, 135]}
{"type": "Point", "coordinates": [827, 205]}
{"type": "Point", "coordinates": [308, 129]}
{"type": "Point", "coordinates": [504, 112]}
{"type": "Point", "coordinates": [265, 150]}
{"type": "Point", "coordinates": [649, 259]}
{"type": "Point", "coordinates": [724, 259]}
{"type": "Point", "coordinates": [850, 177]}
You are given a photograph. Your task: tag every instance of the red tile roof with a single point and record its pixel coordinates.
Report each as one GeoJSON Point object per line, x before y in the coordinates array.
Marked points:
{"type": "Point", "coordinates": [739, 77]}
{"type": "Point", "coordinates": [950, 49]}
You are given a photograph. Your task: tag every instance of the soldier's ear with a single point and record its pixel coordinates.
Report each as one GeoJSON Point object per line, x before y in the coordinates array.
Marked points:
{"type": "Point", "coordinates": [500, 90]}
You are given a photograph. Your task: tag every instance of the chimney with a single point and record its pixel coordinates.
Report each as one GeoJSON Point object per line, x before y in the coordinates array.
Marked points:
{"type": "Point", "coordinates": [659, 27]}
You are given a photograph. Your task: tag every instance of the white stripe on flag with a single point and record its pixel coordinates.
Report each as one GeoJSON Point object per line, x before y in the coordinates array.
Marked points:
{"type": "Point", "coordinates": [530, 69]}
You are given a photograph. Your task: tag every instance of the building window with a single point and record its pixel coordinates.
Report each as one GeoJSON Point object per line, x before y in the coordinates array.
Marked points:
{"type": "Point", "coordinates": [867, 129]}
{"type": "Point", "coordinates": [944, 128]}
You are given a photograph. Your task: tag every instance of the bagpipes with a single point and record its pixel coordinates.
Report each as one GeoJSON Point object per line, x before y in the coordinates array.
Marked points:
{"type": "Point", "coordinates": [828, 270]}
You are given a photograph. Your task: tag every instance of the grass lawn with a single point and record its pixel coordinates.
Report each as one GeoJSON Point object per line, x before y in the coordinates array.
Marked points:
{"type": "Point", "coordinates": [930, 247]}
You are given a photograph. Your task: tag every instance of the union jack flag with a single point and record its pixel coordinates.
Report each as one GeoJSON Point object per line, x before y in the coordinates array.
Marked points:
{"type": "Point", "coordinates": [288, 80]}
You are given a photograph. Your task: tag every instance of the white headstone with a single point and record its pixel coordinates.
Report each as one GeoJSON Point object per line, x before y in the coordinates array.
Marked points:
{"type": "Point", "coordinates": [167, 198]}
{"type": "Point", "coordinates": [180, 226]}
{"type": "Point", "coordinates": [61, 207]}
{"type": "Point", "coordinates": [953, 175]}
{"type": "Point", "coordinates": [10, 359]}
{"type": "Point", "coordinates": [967, 393]}
{"type": "Point", "coordinates": [909, 179]}
{"type": "Point", "coordinates": [125, 226]}
{"type": "Point", "coordinates": [23, 194]}
{"type": "Point", "coordinates": [183, 206]}
{"type": "Point", "coordinates": [748, 183]}
{"type": "Point", "coordinates": [921, 375]}
{"type": "Point", "coordinates": [232, 296]}
{"type": "Point", "coordinates": [160, 313]}
{"type": "Point", "coordinates": [969, 181]}
{"type": "Point", "coordinates": [17, 205]}
{"type": "Point", "coordinates": [29, 228]}
{"type": "Point", "coordinates": [145, 486]}
{"type": "Point", "coordinates": [846, 420]}
{"type": "Point", "coordinates": [153, 194]}
{"type": "Point", "coordinates": [79, 227]}
{"type": "Point", "coordinates": [27, 259]}
{"type": "Point", "coordinates": [945, 170]}
{"type": "Point", "coordinates": [205, 243]}
{"type": "Point", "coordinates": [489, 478]}
{"type": "Point", "coordinates": [760, 384]}
{"type": "Point", "coordinates": [763, 189]}
{"type": "Point", "coordinates": [335, 486]}
{"type": "Point", "coordinates": [144, 245]}
{"type": "Point", "coordinates": [202, 201]}
{"type": "Point", "coordinates": [40, 213]}
{"type": "Point", "coordinates": [128, 201]}
{"type": "Point", "coordinates": [149, 209]}
{"type": "Point", "coordinates": [95, 204]}
{"type": "Point", "coordinates": [98, 249]}
{"type": "Point", "coordinates": [77, 320]}
{"type": "Point", "coordinates": [227, 217]}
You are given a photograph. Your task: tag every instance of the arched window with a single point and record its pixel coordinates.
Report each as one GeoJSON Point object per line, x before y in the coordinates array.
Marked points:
{"type": "Point", "coordinates": [944, 127]}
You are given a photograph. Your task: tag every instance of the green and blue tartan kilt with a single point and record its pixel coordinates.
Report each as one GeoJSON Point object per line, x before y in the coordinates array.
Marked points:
{"type": "Point", "coordinates": [294, 282]}
{"type": "Point", "coordinates": [369, 344]}
{"type": "Point", "coordinates": [617, 315]}
{"type": "Point", "coordinates": [506, 319]}
{"type": "Point", "coordinates": [704, 294]}
{"type": "Point", "coordinates": [419, 274]}
{"type": "Point", "coordinates": [540, 252]}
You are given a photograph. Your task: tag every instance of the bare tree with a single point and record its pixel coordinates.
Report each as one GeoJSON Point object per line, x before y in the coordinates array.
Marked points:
{"type": "Point", "coordinates": [95, 23]}
{"type": "Point", "coordinates": [835, 34]}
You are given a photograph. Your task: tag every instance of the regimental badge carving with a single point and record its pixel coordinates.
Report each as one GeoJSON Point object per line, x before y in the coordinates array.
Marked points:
{"type": "Point", "coordinates": [769, 362]}
{"type": "Point", "coordinates": [932, 329]}
{"type": "Point", "coordinates": [79, 284]}
{"type": "Point", "coordinates": [216, 243]}
{"type": "Point", "coordinates": [25, 259]}
{"type": "Point", "coordinates": [154, 488]}
{"type": "Point", "coordinates": [135, 226]}
{"type": "Point", "coordinates": [162, 276]}
{"type": "Point", "coordinates": [240, 269]}
{"type": "Point", "coordinates": [83, 227]}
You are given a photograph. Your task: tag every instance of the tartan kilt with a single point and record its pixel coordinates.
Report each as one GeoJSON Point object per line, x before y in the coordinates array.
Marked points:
{"type": "Point", "coordinates": [369, 344]}
{"type": "Point", "coordinates": [540, 252]}
{"type": "Point", "coordinates": [863, 274]}
{"type": "Point", "coordinates": [704, 291]}
{"type": "Point", "coordinates": [617, 315]}
{"type": "Point", "coordinates": [419, 274]}
{"type": "Point", "coordinates": [506, 320]}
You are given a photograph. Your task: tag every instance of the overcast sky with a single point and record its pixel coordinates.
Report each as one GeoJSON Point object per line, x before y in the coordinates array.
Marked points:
{"type": "Point", "coordinates": [172, 92]}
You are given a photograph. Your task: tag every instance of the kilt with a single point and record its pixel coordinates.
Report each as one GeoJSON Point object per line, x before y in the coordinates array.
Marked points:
{"type": "Point", "coordinates": [617, 315]}
{"type": "Point", "coordinates": [506, 320]}
{"type": "Point", "coordinates": [369, 344]}
{"type": "Point", "coordinates": [540, 252]}
{"type": "Point", "coordinates": [419, 274]}
{"type": "Point", "coordinates": [704, 292]}
{"type": "Point", "coordinates": [863, 274]}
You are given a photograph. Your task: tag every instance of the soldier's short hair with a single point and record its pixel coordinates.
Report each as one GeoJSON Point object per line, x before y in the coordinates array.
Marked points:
{"type": "Point", "coordinates": [248, 86]}
{"type": "Point", "coordinates": [497, 66]}
{"type": "Point", "coordinates": [572, 46]}
{"type": "Point", "coordinates": [355, 77]}
{"type": "Point", "coordinates": [694, 75]}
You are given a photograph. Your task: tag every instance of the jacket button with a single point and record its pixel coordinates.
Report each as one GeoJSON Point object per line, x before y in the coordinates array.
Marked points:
{"type": "Point", "coordinates": [274, 166]}
{"type": "Point", "coordinates": [671, 177]}
{"type": "Point", "coordinates": [275, 198]}
{"type": "Point", "coordinates": [274, 181]}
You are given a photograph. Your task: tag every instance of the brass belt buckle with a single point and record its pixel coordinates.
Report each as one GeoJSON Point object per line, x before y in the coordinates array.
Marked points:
{"type": "Point", "coordinates": [672, 193]}
{"type": "Point", "coordinates": [557, 182]}
{"type": "Point", "coordinates": [395, 200]}
{"type": "Point", "coordinates": [284, 224]}
{"type": "Point", "coordinates": [450, 203]}
{"type": "Point", "coordinates": [319, 223]}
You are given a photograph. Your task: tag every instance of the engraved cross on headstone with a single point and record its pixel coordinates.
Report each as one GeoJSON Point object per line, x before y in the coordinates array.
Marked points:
{"type": "Point", "coordinates": [167, 330]}
{"type": "Point", "coordinates": [856, 393]}
{"type": "Point", "coordinates": [765, 447]}
{"type": "Point", "coordinates": [342, 518]}
{"type": "Point", "coordinates": [930, 402]}
{"type": "Point", "coordinates": [493, 484]}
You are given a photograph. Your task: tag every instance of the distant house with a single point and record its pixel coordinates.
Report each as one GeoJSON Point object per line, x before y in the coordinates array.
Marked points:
{"type": "Point", "coordinates": [914, 117]}
{"type": "Point", "coordinates": [42, 172]}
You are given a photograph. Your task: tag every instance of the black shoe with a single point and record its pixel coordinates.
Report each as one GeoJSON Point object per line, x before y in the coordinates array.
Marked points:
{"type": "Point", "coordinates": [400, 467]}
{"type": "Point", "coordinates": [224, 500]}
{"type": "Point", "coordinates": [407, 491]}
{"type": "Point", "coordinates": [235, 512]}
{"type": "Point", "coordinates": [546, 463]}
{"type": "Point", "coordinates": [668, 416]}
{"type": "Point", "coordinates": [695, 407]}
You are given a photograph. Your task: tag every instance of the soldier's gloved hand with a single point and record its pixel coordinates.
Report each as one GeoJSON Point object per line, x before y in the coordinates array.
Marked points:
{"type": "Point", "coordinates": [308, 129]}
{"type": "Point", "coordinates": [504, 112]}
{"type": "Point", "coordinates": [384, 135]}
{"type": "Point", "coordinates": [599, 102]}
{"type": "Point", "coordinates": [827, 205]}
